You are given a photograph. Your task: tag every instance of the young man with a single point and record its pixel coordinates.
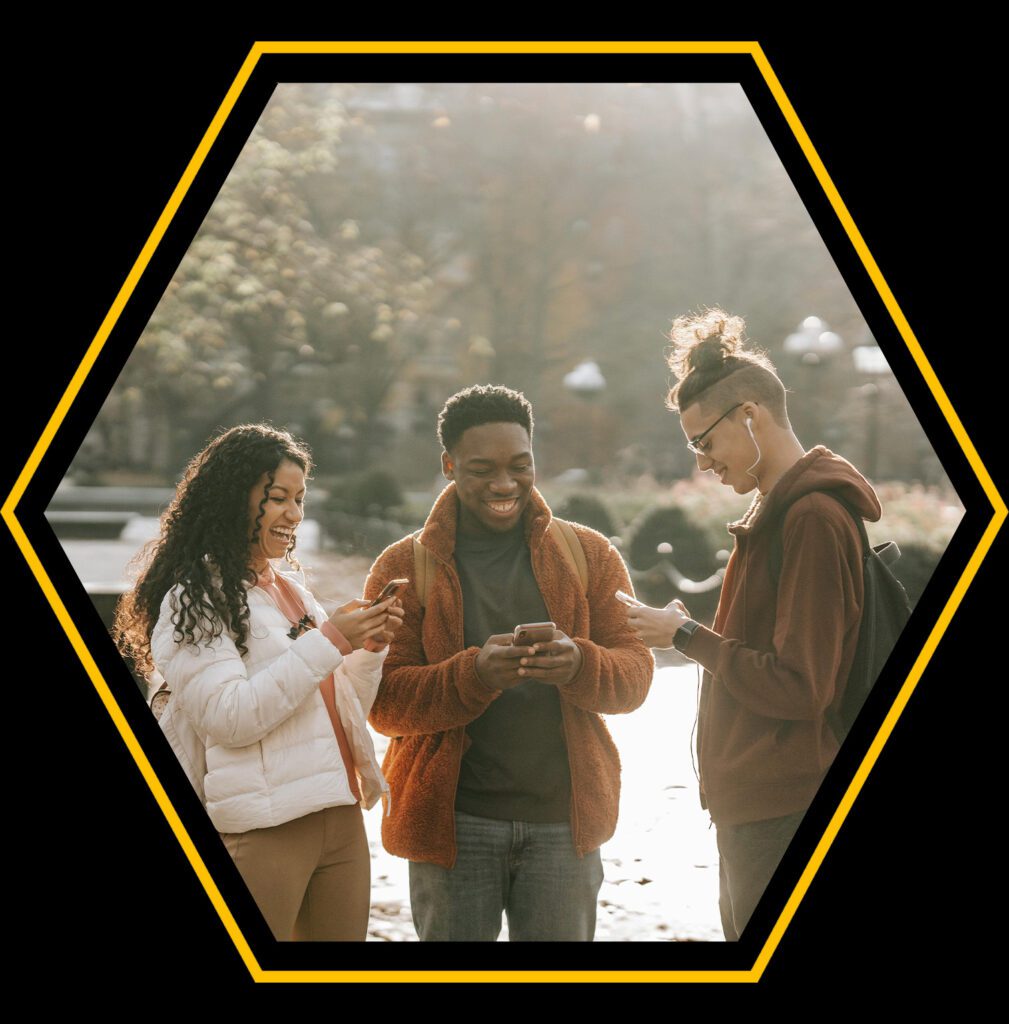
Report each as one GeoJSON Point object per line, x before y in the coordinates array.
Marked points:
{"type": "Point", "coordinates": [504, 780]}
{"type": "Point", "coordinates": [778, 654]}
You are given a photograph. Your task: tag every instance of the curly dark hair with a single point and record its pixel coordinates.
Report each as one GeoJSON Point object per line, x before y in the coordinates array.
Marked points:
{"type": "Point", "coordinates": [479, 404]}
{"type": "Point", "coordinates": [204, 544]}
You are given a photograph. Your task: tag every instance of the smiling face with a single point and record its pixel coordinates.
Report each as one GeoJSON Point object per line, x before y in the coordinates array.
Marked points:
{"type": "Point", "coordinates": [728, 451]}
{"type": "Point", "coordinates": [492, 466]}
{"type": "Point", "coordinates": [282, 512]}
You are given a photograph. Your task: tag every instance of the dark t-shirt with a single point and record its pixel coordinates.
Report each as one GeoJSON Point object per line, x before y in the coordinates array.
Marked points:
{"type": "Point", "coordinates": [517, 766]}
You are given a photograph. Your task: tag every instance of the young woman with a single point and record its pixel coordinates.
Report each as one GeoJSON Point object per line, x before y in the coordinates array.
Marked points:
{"type": "Point", "coordinates": [269, 697]}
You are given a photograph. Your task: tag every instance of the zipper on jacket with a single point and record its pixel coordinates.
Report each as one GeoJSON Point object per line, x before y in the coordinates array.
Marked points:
{"type": "Point", "coordinates": [575, 826]}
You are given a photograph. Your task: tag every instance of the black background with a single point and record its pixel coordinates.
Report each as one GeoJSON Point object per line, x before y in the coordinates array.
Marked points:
{"type": "Point", "coordinates": [907, 886]}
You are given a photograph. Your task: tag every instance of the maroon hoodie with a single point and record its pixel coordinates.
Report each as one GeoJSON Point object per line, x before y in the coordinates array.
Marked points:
{"type": "Point", "coordinates": [776, 663]}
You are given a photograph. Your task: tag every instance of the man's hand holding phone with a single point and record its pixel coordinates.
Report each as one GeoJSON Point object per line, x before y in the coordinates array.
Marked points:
{"type": "Point", "coordinates": [657, 626]}
{"type": "Point", "coordinates": [555, 662]}
{"type": "Point", "coordinates": [535, 650]}
{"type": "Point", "coordinates": [497, 664]}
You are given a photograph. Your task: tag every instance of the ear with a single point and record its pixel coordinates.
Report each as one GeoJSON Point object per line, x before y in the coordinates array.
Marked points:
{"type": "Point", "coordinates": [751, 410]}
{"type": "Point", "coordinates": [447, 466]}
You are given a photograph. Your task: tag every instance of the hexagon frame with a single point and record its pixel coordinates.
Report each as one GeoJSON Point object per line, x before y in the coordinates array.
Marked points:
{"type": "Point", "coordinates": [139, 267]}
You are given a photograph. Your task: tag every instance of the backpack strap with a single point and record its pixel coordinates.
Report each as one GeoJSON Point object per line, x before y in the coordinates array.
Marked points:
{"type": "Point", "coordinates": [884, 613]}
{"type": "Point", "coordinates": [425, 565]}
{"type": "Point", "coordinates": [777, 555]}
{"type": "Point", "coordinates": [571, 549]}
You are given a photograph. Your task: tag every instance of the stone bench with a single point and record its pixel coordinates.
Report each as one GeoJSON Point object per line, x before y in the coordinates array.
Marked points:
{"type": "Point", "coordinates": [82, 525]}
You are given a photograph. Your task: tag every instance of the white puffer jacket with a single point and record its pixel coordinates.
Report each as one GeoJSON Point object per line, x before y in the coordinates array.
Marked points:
{"type": "Point", "coordinates": [253, 733]}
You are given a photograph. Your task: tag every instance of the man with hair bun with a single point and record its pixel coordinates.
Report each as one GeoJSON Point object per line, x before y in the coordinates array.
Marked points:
{"type": "Point", "coordinates": [777, 657]}
{"type": "Point", "coordinates": [504, 779]}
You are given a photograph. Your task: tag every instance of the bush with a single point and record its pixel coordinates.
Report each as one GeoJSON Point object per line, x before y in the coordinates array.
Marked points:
{"type": "Point", "coordinates": [692, 551]}
{"type": "Point", "coordinates": [589, 511]}
{"type": "Point", "coordinates": [361, 535]}
{"type": "Point", "coordinates": [371, 493]}
{"type": "Point", "coordinates": [692, 554]}
{"type": "Point", "coordinates": [364, 513]}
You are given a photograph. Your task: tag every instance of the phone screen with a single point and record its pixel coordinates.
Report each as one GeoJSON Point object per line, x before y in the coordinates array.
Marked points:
{"type": "Point", "coordinates": [389, 590]}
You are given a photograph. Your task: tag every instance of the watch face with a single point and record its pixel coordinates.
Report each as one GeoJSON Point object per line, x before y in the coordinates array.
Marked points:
{"type": "Point", "coordinates": [160, 701]}
{"type": "Point", "coordinates": [682, 636]}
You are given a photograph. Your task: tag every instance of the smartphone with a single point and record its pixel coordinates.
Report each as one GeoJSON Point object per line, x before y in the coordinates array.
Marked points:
{"type": "Point", "coordinates": [389, 590]}
{"type": "Point", "coordinates": [631, 602]}
{"type": "Point", "coordinates": [530, 633]}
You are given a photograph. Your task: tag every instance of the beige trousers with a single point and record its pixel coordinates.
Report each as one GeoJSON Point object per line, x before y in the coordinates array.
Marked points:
{"type": "Point", "coordinates": [311, 877]}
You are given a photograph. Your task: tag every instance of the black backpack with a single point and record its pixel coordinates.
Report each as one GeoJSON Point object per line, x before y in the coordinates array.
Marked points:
{"type": "Point", "coordinates": [885, 611]}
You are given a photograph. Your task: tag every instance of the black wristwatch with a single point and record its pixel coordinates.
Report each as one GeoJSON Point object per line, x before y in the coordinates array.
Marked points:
{"type": "Point", "coordinates": [682, 636]}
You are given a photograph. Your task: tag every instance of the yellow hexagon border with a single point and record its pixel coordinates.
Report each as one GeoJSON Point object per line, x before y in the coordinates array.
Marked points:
{"type": "Point", "coordinates": [999, 509]}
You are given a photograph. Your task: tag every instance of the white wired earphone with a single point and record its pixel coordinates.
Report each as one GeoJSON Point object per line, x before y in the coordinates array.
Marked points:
{"type": "Point", "coordinates": [749, 428]}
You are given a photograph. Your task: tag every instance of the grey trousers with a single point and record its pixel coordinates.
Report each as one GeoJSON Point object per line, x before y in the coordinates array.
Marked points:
{"type": "Point", "coordinates": [748, 855]}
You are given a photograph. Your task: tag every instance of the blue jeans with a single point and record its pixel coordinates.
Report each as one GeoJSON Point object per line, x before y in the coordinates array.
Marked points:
{"type": "Point", "coordinates": [748, 855]}
{"type": "Point", "coordinates": [528, 870]}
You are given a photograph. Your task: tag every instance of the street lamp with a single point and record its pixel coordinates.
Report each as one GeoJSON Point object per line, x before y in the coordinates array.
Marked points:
{"type": "Point", "coordinates": [813, 344]}
{"type": "Point", "coordinates": [871, 362]}
{"type": "Point", "coordinates": [586, 382]}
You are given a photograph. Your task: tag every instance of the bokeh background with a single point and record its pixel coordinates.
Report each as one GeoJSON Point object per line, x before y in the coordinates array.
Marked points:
{"type": "Point", "coordinates": [376, 247]}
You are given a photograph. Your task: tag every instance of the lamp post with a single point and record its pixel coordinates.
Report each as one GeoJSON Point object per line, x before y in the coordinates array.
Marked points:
{"type": "Point", "coordinates": [812, 345]}
{"type": "Point", "coordinates": [586, 382]}
{"type": "Point", "coordinates": [870, 361]}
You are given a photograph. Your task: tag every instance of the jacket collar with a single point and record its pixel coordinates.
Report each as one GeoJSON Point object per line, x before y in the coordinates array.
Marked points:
{"type": "Point", "coordinates": [438, 535]}
{"type": "Point", "coordinates": [286, 570]}
{"type": "Point", "coordinates": [819, 470]}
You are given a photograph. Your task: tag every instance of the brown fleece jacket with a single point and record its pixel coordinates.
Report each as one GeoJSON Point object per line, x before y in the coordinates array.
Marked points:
{"type": "Point", "coordinates": [777, 662]}
{"type": "Point", "coordinates": [430, 691]}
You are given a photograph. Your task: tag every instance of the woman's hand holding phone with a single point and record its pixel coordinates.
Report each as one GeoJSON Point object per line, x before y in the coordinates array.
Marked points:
{"type": "Point", "coordinates": [360, 621]}
{"type": "Point", "coordinates": [388, 634]}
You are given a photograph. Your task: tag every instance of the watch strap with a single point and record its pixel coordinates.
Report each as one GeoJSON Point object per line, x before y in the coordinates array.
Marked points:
{"type": "Point", "coordinates": [682, 636]}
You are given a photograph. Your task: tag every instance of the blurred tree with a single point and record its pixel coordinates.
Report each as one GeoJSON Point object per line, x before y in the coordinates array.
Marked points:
{"type": "Point", "coordinates": [277, 311]}
{"type": "Point", "coordinates": [575, 221]}
{"type": "Point", "coordinates": [378, 246]}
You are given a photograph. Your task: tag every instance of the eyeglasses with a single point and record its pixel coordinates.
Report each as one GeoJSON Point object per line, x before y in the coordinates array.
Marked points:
{"type": "Point", "coordinates": [694, 444]}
